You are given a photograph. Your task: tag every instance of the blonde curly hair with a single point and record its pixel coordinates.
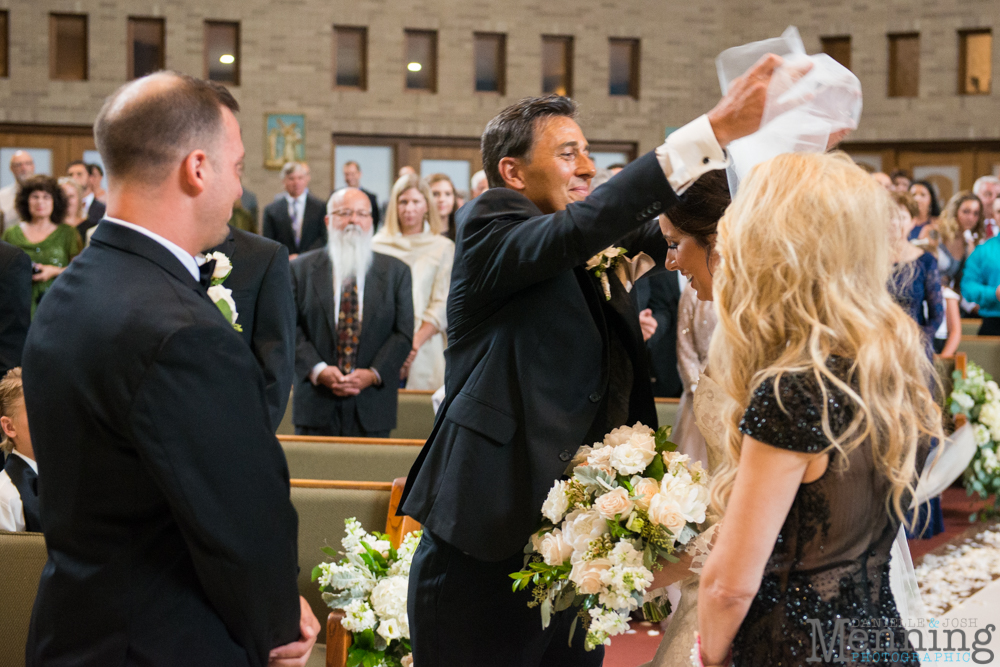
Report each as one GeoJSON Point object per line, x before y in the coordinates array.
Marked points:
{"type": "Point", "coordinates": [805, 264]}
{"type": "Point", "coordinates": [11, 395]}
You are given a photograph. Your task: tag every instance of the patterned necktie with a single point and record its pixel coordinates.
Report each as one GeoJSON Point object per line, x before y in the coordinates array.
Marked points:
{"type": "Point", "coordinates": [297, 222]}
{"type": "Point", "coordinates": [348, 326]}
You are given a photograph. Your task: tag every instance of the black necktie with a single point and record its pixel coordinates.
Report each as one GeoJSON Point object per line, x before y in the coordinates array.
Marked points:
{"type": "Point", "coordinates": [26, 482]}
{"type": "Point", "coordinates": [205, 271]}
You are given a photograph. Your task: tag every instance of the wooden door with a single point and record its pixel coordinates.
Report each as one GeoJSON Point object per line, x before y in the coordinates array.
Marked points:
{"type": "Point", "coordinates": [987, 162]}
{"type": "Point", "coordinates": [67, 143]}
{"type": "Point", "coordinates": [950, 172]}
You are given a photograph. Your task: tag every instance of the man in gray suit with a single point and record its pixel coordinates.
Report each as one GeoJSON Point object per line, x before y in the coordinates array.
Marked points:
{"type": "Point", "coordinates": [354, 327]}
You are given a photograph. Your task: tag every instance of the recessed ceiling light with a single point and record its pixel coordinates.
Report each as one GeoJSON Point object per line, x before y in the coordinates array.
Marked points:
{"type": "Point", "coordinates": [227, 59]}
{"type": "Point", "coordinates": [414, 67]}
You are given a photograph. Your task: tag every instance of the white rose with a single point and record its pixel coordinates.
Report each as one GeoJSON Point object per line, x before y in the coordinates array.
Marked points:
{"type": "Point", "coordinates": [992, 391]}
{"type": "Point", "coordinates": [694, 503]}
{"type": "Point", "coordinates": [388, 598]}
{"type": "Point", "coordinates": [556, 503]}
{"type": "Point", "coordinates": [632, 457]}
{"type": "Point", "coordinates": [618, 436]}
{"type": "Point", "coordinates": [614, 502]}
{"type": "Point", "coordinates": [665, 511]}
{"type": "Point", "coordinates": [219, 293]}
{"type": "Point", "coordinates": [675, 486]}
{"type": "Point", "coordinates": [587, 575]}
{"type": "Point", "coordinates": [223, 267]}
{"type": "Point", "coordinates": [581, 528]}
{"type": "Point", "coordinates": [554, 548]}
{"type": "Point", "coordinates": [645, 489]}
{"type": "Point", "coordinates": [601, 459]}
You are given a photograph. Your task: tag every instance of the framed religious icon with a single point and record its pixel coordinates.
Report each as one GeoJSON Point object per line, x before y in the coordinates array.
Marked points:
{"type": "Point", "coordinates": [284, 139]}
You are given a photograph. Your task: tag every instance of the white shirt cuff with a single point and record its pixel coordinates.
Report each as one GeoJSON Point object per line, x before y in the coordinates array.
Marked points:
{"type": "Point", "coordinates": [690, 152]}
{"type": "Point", "coordinates": [317, 369]}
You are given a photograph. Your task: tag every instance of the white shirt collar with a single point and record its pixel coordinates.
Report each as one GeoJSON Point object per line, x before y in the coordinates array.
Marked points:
{"type": "Point", "coordinates": [297, 200]}
{"type": "Point", "coordinates": [185, 258]}
{"type": "Point", "coordinates": [89, 199]}
{"type": "Point", "coordinates": [30, 462]}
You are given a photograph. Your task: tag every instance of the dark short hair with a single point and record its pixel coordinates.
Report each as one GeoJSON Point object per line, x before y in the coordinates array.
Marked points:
{"type": "Point", "coordinates": [45, 184]}
{"type": "Point", "coordinates": [80, 163]}
{"type": "Point", "coordinates": [702, 205]}
{"type": "Point", "coordinates": [935, 208]}
{"type": "Point", "coordinates": [145, 137]}
{"type": "Point", "coordinates": [92, 167]}
{"type": "Point", "coordinates": [350, 162]}
{"type": "Point", "coordinates": [511, 133]}
{"type": "Point", "coordinates": [897, 173]}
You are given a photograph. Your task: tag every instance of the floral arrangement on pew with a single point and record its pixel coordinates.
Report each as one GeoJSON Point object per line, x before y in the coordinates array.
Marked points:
{"type": "Point", "coordinates": [977, 397]}
{"type": "Point", "coordinates": [631, 501]}
{"type": "Point", "coordinates": [370, 585]}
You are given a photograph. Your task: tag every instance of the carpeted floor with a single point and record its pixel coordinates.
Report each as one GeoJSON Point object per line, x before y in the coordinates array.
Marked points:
{"type": "Point", "coordinates": [639, 647]}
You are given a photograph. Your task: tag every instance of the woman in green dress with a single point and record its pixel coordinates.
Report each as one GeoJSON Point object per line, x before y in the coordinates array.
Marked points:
{"type": "Point", "coordinates": [49, 242]}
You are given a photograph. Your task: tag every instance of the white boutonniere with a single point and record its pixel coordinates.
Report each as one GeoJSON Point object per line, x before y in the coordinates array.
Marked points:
{"type": "Point", "coordinates": [605, 261]}
{"type": "Point", "coordinates": [222, 296]}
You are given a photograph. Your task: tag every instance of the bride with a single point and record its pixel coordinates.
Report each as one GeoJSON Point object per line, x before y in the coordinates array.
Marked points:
{"type": "Point", "coordinates": [818, 389]}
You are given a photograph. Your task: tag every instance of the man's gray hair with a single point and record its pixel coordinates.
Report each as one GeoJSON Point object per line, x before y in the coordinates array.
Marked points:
{"type": "Point", "coordinates": [291, 167]}
{"type": "Point", "coordinates": [982, 181]}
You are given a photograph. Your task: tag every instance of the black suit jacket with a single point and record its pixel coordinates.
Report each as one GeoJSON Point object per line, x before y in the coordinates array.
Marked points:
{"type": "Point", "coordinates": [262, 289]}
{"type": "Point", "coordinates": [661, 294]}
{"type": "Point", "coordinates": [15, 304]}
{"type": "Point", "coordinates": [278, 225]}
{"type": "Point", "coordinates": [94, 215]}
{"type": "Point", "coordinates": [376, 213]}
{"type": "Point", "coordinates": [163, 491]}
{"type": "Point", "coordinates": [386, 338]}
{"type": "Point", "coordinates": [526, 361]}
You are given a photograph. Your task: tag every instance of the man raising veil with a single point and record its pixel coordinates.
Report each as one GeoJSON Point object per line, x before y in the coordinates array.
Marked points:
{"type": "Point", "coordinates": [171, 536]}
{"type": "Point", "coordinates": [539, 363]}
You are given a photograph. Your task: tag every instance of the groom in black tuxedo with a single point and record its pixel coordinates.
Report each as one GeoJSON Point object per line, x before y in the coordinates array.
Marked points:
{"type": "Point", "coordinates": [539, 363]}
{"type": "Point", "coordinates": [164, 494]}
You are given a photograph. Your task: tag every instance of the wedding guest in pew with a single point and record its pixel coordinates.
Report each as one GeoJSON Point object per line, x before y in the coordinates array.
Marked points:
{"type": "Point", "coordinates": [19, 477]}
{"type": "Point", "coordinates": [413, 234]}
{"type": "Point", "coordinates": [354, 327]}
{"type": "Point", "coordinates": [981, 284]}
{"type": "Point", "coordinates": [262, 289]}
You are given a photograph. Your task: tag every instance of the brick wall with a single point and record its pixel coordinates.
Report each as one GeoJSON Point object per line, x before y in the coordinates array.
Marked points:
{"type": "Point", "coordinates": [286, 63]}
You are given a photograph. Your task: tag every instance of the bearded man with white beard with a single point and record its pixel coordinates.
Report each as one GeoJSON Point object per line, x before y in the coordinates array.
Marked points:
{"type": "Point", "coordinates": [354, 327]}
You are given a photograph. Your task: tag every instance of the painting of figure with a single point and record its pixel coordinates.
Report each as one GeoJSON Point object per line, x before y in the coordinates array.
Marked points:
{"type": "Point", "coordinates": [285, 139]}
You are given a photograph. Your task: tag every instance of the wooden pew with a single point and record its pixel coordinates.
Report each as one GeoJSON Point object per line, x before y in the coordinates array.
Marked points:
{"type": "Point", "coordinates": [985, 351]}
{"type": "Point", "coordinates": [370, 459]}
{"type": "Point", "coordinates": [22, 557]}
{"type": "Point", "coordinates": [322, 506]}
{"type": "Point", "coordinates": [970, 327]}
{"type": "Point", "coordinates": [415, 418]}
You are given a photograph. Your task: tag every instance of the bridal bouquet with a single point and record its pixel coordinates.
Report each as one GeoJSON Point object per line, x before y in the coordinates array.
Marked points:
{"type": "Point", "coordinates": [370, 585]}
{"type": "Point", "coordinates": [631, 500]}
{"type": "Point", "coordinates": [977, 397]}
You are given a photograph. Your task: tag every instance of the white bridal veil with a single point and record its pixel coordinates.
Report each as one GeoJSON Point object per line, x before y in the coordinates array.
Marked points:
{"type": "Point", "coordinates": [802, 111]}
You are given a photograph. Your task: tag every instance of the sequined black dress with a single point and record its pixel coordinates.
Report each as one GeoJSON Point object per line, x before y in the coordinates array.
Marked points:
{"type": "Point", "coordinates": [830, 563]}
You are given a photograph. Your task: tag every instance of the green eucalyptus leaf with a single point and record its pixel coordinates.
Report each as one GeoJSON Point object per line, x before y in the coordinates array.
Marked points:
{"type": "Point", "coordinates": [316, 572]}
{"type": "Point", "coordinates": [329, 551]}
